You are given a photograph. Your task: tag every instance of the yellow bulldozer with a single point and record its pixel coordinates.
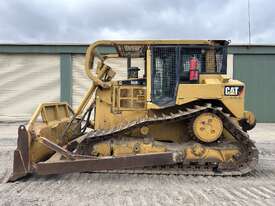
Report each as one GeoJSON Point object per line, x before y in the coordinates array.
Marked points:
{"type": "Point", "coordinates": [175, 111]}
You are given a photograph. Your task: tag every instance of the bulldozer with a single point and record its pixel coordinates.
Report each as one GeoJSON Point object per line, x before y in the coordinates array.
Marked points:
{"type": "Point", "coordinates": [153, 107]}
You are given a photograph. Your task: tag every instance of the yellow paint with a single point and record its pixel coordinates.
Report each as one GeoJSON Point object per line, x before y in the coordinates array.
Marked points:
{"type": "Point", "coordinates": [191, 152]}
{"type": "Point", "coordinates": [175, 132]}
{"type": "Point", "coordinates": [144, 130]}
{"type": "Point", "coordinates": [101, 149]}
{"type": "Point", "coordinates": [250, 117]}
{"type": "Point", "coordinates": [198, 151]}
{"type": "Point", "coordinates": [55, 117]}
{"type": "Point", "coordinates": [132, 97]}
{"type": "Point", "coordinates": [211, 87]}
{"type": "Point", "coordinates": [207, 127]}
{"type": "Point", "coordinates": [106, 117]}
{"type": "Point", "coordinates": [135, 147]}
{"type": "Point", "coordinates": [126, 147]}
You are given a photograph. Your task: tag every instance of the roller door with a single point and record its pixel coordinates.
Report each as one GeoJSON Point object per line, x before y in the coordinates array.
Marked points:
{"type": "Point", "coordinates": [25, 81]}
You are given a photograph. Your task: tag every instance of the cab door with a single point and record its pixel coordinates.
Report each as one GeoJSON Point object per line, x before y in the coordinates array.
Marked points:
{"type": "Point", "coordinates": [164, 75]}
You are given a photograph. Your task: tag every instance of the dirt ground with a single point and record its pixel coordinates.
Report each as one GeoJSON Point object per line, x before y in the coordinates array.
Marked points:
{"type": "Point", "coordinates": [257, 188]}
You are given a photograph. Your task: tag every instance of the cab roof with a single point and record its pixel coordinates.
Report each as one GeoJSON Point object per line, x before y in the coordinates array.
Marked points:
{"type": "Point", "coordinates": [137, 48]}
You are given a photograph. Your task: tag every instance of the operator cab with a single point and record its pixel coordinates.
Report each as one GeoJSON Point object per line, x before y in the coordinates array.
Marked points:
{"type": "Point", "coordinates": [163, 65]}
{"type": "Point", "coordinates": [183, 64]}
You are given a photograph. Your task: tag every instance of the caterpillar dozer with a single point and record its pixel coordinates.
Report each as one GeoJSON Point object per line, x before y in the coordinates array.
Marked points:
{"type": "Point", "coordinates": [153, 107]}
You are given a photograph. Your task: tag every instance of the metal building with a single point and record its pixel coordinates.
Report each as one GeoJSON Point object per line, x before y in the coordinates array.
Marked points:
{"type": "Point", "coordinates": [255, 65]}
{"type": "Point", "coordinates": [32, 73]}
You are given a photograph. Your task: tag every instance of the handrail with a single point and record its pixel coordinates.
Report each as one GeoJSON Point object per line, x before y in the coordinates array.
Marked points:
{"type": "Point", "coordinates": [89, 62]}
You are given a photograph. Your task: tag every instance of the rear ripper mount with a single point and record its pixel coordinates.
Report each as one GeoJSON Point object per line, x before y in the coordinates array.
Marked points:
{"type": "Point", "coordinates": [72, 158]}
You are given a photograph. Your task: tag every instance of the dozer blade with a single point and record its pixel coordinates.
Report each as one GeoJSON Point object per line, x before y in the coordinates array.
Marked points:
{"type": "Point", "coordinates": [31, 148]}
{"type": "Point", "coordinates": [21, 163]}
{"type": "Point", "coordinates": [106, 163]}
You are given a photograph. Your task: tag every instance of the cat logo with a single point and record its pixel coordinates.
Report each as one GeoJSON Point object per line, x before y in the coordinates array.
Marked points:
{"type": "Point", "coordinates": [232, 90]}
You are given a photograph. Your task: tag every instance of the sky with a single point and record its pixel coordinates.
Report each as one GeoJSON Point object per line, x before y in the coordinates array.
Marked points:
{"type": "Point", "coordinates": [84, 21]}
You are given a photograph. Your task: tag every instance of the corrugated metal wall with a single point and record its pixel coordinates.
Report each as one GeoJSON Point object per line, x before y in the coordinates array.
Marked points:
{"type": "Point", "coordinates": [258, 73]}
{"type": "Point", "coordinates": [25, 81]}
{"type": "Point", "coordinates": [81, 82]}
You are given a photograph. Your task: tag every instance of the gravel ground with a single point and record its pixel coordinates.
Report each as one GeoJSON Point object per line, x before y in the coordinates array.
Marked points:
{"type": "Point", "coordinates": [257, 188]}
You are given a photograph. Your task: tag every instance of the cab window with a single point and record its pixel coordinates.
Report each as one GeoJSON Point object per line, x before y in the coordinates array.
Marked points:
{"type": "Point", "coordinates": [196, 61]}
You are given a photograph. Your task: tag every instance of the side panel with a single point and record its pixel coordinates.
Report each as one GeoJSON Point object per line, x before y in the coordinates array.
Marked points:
{"type": "Point", "coordinates": [213, 89]}
{"type": "Point", "coordinates": [107, 117]}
